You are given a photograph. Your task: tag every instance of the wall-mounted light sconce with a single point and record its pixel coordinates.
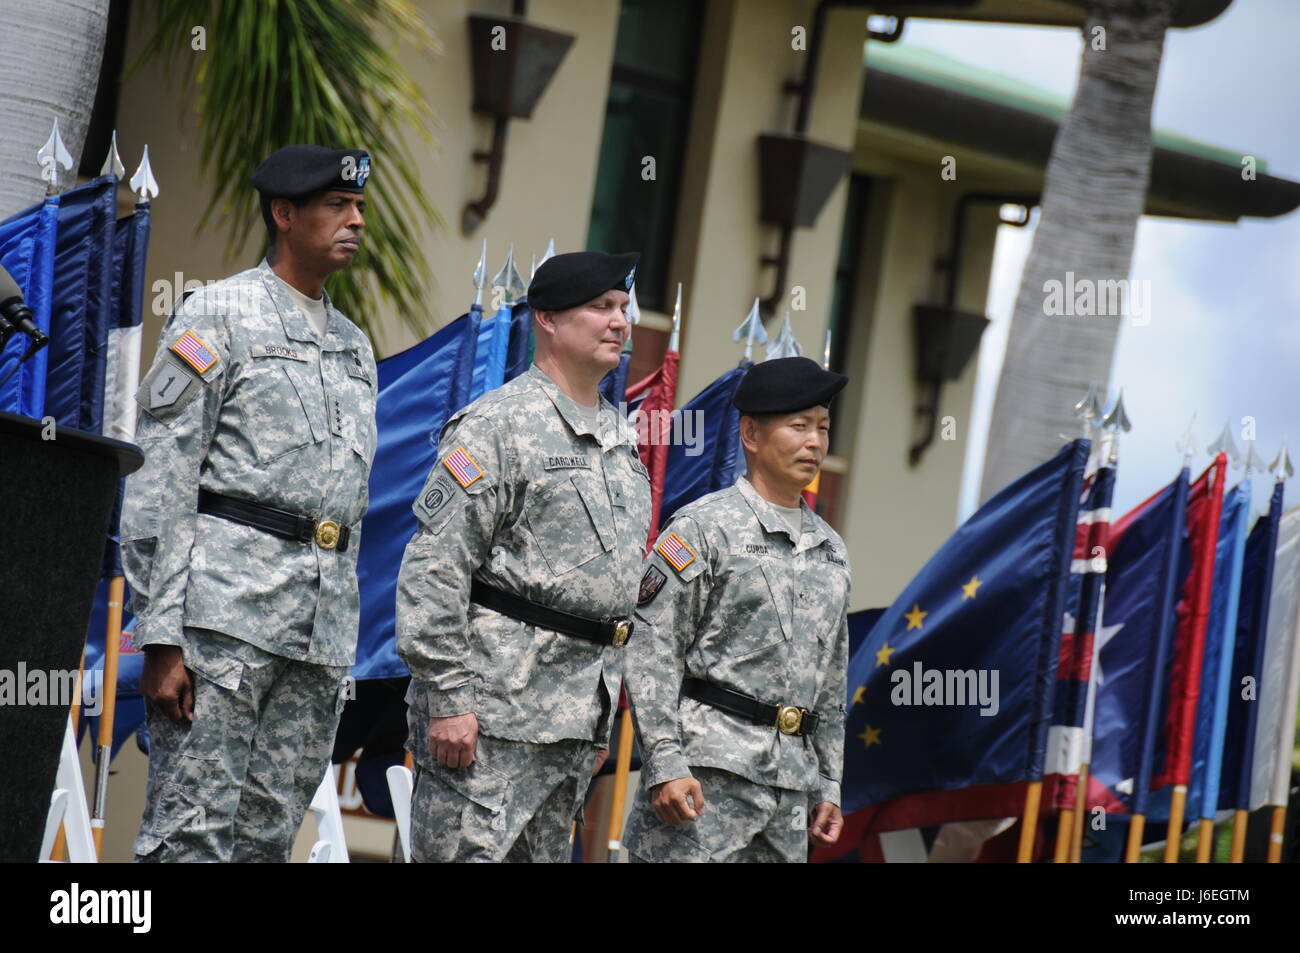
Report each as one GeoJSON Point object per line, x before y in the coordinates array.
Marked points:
{"type": "Point", "coordinates": [797, 174]}
{"type": "Point", "coordinates": [513, 61]}
{"type": "Point", "coordinates": [945, 337]}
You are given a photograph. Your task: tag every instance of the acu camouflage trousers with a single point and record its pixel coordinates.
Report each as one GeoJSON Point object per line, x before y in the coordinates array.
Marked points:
{"type": "Point", "coordinates": [516, 803]}
{"type": "Point", "coordinates": [234, 784]}
{"type": "Point", "coordinates": [743, 822]}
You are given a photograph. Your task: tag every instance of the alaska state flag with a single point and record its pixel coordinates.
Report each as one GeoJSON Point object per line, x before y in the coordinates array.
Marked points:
{"type": "Point", "coordinates": [952, 688]}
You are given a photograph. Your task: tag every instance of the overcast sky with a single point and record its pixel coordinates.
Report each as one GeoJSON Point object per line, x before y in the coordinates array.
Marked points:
{"type": "Point", "coordinates": [1223, 339]}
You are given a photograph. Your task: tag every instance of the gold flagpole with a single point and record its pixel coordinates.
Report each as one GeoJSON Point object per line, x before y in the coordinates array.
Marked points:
{"type": "Point", "coordinates": [1133, 850]}
{"type": "Point", "coordinates": [622, 769]}
{"type": "Point", "coordinates": [112, 640]}
{"type": "Point", "coordinates": [1204, 840]}
{"type": "Point", "coordinates": [1275, 834]}
{"type": "Point", "coordinates": [1238, 850]}
{"type": "Point", "coordinates": [1030, 823]}
{"type": "Point", "coordinates": [1174, 837]}
{"type": "Point", "coordinates": [1080, 815]}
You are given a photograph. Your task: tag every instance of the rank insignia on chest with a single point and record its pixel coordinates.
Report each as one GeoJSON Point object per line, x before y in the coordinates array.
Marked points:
{"type": "Point", "coordinates": [194, 352]}
{"type": "Point", "coordinates": [675, 552]}
{"type": "Point", "coordinates": [462, 467]}
{"type": "Point", "coordinates": [651, 583]}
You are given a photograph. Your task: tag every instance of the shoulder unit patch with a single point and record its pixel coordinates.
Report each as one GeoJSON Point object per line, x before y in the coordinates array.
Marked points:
{"type": "Point", "coordinates": [462, 467]}
{"type": "Point", "coordinates": [194, 352]}
{"type": "Point", "coordinates": [675, 552]}
{"type": "Point", "coordinates": [651, 583]}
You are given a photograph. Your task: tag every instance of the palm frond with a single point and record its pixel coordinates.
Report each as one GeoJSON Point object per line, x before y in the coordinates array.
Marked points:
{"type": "Point", "coordinates": [278, 72]}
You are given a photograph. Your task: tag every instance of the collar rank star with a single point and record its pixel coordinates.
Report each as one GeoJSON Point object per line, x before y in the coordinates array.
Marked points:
{"type": "Point", "coordinates": [194, 352]}
{"type": "Point", "coordinates": [462, 467]}
{"type": "Point", "coordinates": [675, 552]}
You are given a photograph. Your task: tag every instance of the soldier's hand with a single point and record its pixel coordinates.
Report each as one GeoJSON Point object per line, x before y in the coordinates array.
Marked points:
{"type": "Point", "coordinates": [671, 804]}
{"type": "Point", "coordinates": [602, 755]}
{"type": "Point", "coordinates": [827, 822]}
{"type": "Point", "coordinates": [166, 682]}
{"type": "Point", "coordinates": [454, 740]}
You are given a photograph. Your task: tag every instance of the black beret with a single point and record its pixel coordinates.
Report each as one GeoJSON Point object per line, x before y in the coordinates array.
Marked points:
{"type": "Point", "coordinates": [301, 170]}
{"type": "Point", "coordinates": [574, 278]}
{"type": "Point", "coordinates": [786, 385]}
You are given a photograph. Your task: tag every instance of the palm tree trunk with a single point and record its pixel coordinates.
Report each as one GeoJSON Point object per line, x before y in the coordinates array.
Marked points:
{"type": "Point", "coordinates": [49, 66]}
{"type": "Point", "coordinates": [1094, 190]}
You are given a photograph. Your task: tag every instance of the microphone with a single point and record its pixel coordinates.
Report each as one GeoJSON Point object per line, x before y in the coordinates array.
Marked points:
{"type": "Point", "coordinates": [13, 310]}
{"type": "Point", "coordinates": [16, 316]}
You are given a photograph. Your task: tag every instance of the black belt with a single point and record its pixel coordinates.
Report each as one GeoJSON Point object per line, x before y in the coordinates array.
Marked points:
{"type": "Point", "coordinates": [787, 719]}
{"type": "Point", "coordinates": [301, 529]}
{"type": "Point", "coordinates": [603, 631]}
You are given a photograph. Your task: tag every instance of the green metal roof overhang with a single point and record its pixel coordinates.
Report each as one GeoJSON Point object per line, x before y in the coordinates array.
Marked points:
{"type": "Point", "coordinates": [1188, 179]}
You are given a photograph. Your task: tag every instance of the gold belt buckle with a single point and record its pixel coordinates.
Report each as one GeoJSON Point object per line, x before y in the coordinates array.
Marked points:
{"type": "Point", "coordinates": [622, 632]}
{"type": "Point", "coordinates": [789, 719]}
{"type": "Point", "coordinates": [327, 534]}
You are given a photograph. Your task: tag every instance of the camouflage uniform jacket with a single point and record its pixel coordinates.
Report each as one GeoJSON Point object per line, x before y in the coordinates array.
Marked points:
{"type": "Point", "coordinates": [280, 417]}
{"type": "Point", "coordinates": [732, 597]}
{"type": "Point", "coordinates": [526, 498]}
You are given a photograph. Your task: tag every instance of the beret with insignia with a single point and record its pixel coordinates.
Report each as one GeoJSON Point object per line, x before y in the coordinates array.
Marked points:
{"type": "Point", "coordinates": [566, 281]}
{"type": "Point", "coordinates": [786, 385]}
{"type": "Point", "coordinates": [296, 171]}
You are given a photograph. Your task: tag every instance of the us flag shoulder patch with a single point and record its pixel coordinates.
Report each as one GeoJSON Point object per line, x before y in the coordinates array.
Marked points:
{"type": "Point", "coordinates": [194, 352]}
{"type": "Point", "coordinates": [675, 552]}
{"type": "Point", "coordinates": [462, 467]}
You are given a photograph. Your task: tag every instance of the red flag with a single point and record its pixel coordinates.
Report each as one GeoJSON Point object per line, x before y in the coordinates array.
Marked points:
{"type": "Point", "coordinates": [654, 430]}
{"type": "Point", "coordinates": [1204, 505]}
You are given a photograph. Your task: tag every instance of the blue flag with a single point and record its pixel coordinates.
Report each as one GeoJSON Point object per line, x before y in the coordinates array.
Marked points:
{"type": "Point", "coordinates": [613, 386]}
{"type": "Point", "coordinates": [491, 353]}
{"type": "Point", "coordinates": [952, 688]}
{"type": "Point", "coordinates": [418, 390]}
{"type": "Point", "coordinates": [83, 305]}
{"type": "Point", "coordinates": [27, 242]}
{"type": "Point", "coordinates": [1247, 657]}
{"type": "Point", "coordinates": [519, 351]}
{"type": "Point", "coordinates": [705, 452]}
{"type": "Point", "coordinates": [1148, 563]}
{"type": "Point", "coordinates": [1220, 640]}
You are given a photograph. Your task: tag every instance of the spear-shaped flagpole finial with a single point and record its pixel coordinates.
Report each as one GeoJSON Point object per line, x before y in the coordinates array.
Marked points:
{"type": "Point", "coordinates": [633, 306]}
{"type": "Point", "coordinates": [548, 254]}
{"type": "Point", "coordinates": [751, 330]}
{"type": "Point", "coordinates": [1088, 410]}
{"type": "Point", "coordinates": [52, 155]}
{"type": "Point", "coordinates": [1223, 444]}
{"type": "Point", "coordinates": [1281, 466]}
{"type": "Point", "coordinates": [1252, 462]}
{"type": "Point", "coordinates": [826, 352]}
{"type": "Point", "coordinates": [509, 280]}
{"type": "Point", "coordinates": [1117, 419]}
{"type": "Point", "coordinates": [480, 276]}
{"type": "Point", "coordinates": [113, 161]}
{"type": "Point", "coordinates": [143, 184]}
{"type": "Point", "coordinates": [676, 338]}
{"type": "Point", "coordinates": [1187, 442]}
{"type": "Point", "coordinates": [532, 269]}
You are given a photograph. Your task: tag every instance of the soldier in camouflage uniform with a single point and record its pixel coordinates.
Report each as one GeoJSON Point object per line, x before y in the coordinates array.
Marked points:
{"type": "Point", "coordinates": [515, 593]}
{"type": "Point", "coordinates": [737, 673]}
{"type": "Point", "coordinates": [240, 533]}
